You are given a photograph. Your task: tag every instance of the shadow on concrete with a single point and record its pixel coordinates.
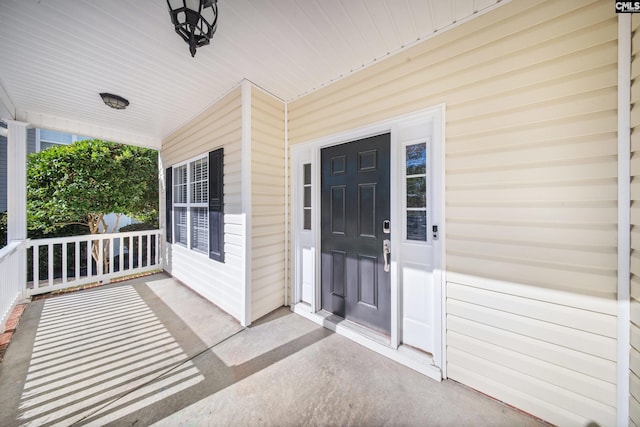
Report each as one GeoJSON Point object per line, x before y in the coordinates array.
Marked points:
{"type": "Point", "coordinates": [150, 351]}
{"type": "Point", "coordinates": [119, 354]}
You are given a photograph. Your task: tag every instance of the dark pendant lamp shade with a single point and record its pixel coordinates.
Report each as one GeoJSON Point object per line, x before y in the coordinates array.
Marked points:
{"type": "Point", "coordinates": [114, 101]}
{"type": "Point", "coordinates": [194, 20]}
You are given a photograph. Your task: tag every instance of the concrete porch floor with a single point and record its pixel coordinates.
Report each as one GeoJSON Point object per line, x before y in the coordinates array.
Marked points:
{"type": "Point", "coordinates": [151, 352]}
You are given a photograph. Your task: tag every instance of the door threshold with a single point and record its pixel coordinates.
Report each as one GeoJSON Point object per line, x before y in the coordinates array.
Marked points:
{"type": "Point", "coordinates": [329, 319]}
{"type": "Point", "coordinates": [405, 355]}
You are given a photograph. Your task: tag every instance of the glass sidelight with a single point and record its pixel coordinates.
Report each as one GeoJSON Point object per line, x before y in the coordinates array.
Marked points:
{"type": "Point", "coordinates": [306, 186]}
{"type": "Point", "coordinates": [416, 191]}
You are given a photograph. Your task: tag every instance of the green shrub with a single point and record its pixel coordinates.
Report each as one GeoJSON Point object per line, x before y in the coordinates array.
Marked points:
{"type": "Point", "coordinates": [140, 226]}
{"type": "Point", "coordinates": [3, 229]}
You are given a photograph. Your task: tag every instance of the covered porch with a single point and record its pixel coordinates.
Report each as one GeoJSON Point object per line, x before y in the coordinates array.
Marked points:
{"type": "Point", "coordinates": [150, 351]}
{"type": "Point", "coordinates": [506, 151]}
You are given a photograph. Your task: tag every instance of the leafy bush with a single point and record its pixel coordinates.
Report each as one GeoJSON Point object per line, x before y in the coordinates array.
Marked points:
{"type": "Point", "coordinates": [3, 229]}
{"type": "Point", "coordinates": [140, 226]}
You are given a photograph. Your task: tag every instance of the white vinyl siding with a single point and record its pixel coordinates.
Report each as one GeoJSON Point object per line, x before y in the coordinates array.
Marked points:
{"type": "Point", "coordinates": [531, 196]}
{"type": "Point", "coordinates": [267, 203]}
{"type": "Point", "coordinates": [634, 399]}
{"type": "Point", "coordinates": [218, 126]}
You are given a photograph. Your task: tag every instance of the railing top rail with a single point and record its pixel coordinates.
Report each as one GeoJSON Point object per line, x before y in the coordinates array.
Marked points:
{"type": "Point", "coordinates": [89, 237]}
{"type": "Point", "coordinates": [11, 247]}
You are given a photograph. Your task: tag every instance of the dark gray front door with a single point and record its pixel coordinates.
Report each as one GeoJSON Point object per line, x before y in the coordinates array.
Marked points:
{"type": "Point", "coordinates": [355, 202]}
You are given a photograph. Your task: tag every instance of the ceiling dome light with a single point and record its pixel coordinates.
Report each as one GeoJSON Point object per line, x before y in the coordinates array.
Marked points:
{"type": "Point", "coordinates": [194, 20]}
{"type": "Point", "coordinates": [114, 101]}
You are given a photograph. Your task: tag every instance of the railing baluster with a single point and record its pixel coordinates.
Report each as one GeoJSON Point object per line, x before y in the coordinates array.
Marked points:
{"type": "Point", "coordinates": [36, 266]}
{"type": "Point", "coordinates": [64, 262]}
{"type": "Point", "coordinates": [76, 245]}
{"type": "Point", "coordinates": [148, 236]}
{"type": "Point", "coordinates": [131, 251]}
{"type": "Point", "coordinates": [50, 261]}
{"type": "Point", "coordinates": [89, 258]}
{"type": "Point", "coordinates": [157, 247]}
{"type": "Point", "coordinates": [121, 254]}
{"type": "Point", "coordinates": [100, 266]}
{"type": "Point", "coordinates": [110, 253]}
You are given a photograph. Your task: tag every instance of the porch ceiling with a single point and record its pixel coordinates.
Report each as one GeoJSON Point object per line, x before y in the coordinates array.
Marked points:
{"type": "Point", "coordinates": [57, 55]}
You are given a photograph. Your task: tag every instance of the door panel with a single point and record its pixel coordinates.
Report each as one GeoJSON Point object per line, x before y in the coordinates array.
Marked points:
{"type": "Point", "coordinates": [355, 201]}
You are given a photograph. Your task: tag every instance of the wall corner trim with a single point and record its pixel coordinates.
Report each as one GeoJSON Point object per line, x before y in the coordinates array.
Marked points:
{"type": "Point", "coordinates": [246, 201]}
{"type": "Point", "coordinates": [624, 220]}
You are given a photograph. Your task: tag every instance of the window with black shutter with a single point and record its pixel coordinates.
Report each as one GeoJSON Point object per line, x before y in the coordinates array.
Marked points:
{"type": "Point", "coordinates": [195, 205]}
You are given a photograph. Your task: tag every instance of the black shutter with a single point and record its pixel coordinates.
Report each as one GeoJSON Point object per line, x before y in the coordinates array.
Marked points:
{"type": "Point", "coordinates": [216, 205]}
{"type": "Point", "coordinates": [168, 191]}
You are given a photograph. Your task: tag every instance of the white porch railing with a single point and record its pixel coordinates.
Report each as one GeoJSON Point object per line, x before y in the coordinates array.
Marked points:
{"type": "Point", "coordinates": [64, 262]}
{"type": "Point", "coordinates": [11, 277]}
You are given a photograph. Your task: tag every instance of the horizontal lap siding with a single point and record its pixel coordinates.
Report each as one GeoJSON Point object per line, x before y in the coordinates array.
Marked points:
{"type": "Point", "coordinates": [218, 126]}
{"type": "Point", "coordinates": [531, 198]}
{"type": "Point", "coordinates": [635, 225]}
{"type": "Point", "coordinates": [267, 204]}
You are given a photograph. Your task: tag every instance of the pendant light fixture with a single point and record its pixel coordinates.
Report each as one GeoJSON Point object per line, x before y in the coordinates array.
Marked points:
{"type": "Point", "coordinates": [194, 20]}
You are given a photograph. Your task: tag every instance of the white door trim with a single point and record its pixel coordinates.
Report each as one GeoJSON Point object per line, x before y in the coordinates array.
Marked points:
{"type": "Point", "coordinates": [430, 365]}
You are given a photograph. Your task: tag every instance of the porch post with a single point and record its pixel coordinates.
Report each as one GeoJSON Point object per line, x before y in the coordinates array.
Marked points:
{"type": "Point", "coordinates": [17, 195]}
{"type": "Point", "coordinates": [17, 180]}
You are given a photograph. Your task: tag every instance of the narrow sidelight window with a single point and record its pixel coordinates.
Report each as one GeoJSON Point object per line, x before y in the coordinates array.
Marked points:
{"type": "Point", "coordinates": [416, 191]}
{"type": "Point", "coordinates": [306, 206]}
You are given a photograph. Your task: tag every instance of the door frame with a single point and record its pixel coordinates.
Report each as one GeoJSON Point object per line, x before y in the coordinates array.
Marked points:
{"type": "Point", "coordinates": [309, 152]}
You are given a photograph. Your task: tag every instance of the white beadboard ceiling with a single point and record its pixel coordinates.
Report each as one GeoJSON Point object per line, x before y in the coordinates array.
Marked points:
{"type": "Point", "coordinates": [57, 55]}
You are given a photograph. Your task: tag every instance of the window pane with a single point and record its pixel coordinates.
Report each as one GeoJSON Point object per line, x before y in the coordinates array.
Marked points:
{"type": "Point", "coordinates": [417, 225]}
{"type": "Point", "coordinates": [199, 229]}
{"type": "Point", "coordinates": [307, 173]}
{"type": "Point", "coordinates": [53, 136]}
{"type": "Point", "coordinates": [307, 219]}
{"type": "Point", "coordinates": [180, 227]}
{"type": "Point", "coordinates": [307, 197]}
{"type": "Point", "coordinates": [417, 192]}
{"type": "Point", "coordinates": [180, 184]}
{"type": "Point", "coordinates": [416, 159]}
{"type": "Point", "coordinates": [44, 145]}
{"type": "Point", "coordinates": [199, 181]}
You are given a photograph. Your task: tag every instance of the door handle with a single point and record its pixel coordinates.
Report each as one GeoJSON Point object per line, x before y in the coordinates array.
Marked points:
{"type": "Point", "coordinates": [386, 250]}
